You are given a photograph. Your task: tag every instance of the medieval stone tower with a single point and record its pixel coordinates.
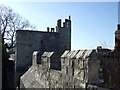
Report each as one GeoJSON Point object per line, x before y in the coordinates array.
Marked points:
{"type": "Point", "coordinates": [56, 40]}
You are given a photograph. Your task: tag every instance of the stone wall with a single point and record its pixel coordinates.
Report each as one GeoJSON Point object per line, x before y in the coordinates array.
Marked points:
{"type": "Point", "coordinates": [51, 41]}
{"type": "Point", "coordinates": [111, 69]}
{"type": "Point", "coordinates": [77, 68]}
{"type": "Point", "coordinates": [30, 41]}
{"type": "Point", "coordinates": [110, 63]}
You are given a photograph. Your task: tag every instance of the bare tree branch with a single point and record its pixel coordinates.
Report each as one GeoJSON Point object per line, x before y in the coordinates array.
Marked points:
{"type": "Point", "coordinates": [9, 23]}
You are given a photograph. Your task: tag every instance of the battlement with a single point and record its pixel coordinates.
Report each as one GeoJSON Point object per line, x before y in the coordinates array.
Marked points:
{"type": "Point", "coordinates": [50, 30]}
{"type": "Point", "coordinates": [55, 40]}
{"type": "Point", "coordinates": [66, 24]}
{"type": "Point", "coordinates": [61, 26]}
{"type": "Point", "coordinates": [76, 70]}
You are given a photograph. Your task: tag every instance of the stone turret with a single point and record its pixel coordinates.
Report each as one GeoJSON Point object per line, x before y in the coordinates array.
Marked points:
{"type": "Point", "coordinates": [117, 38]}
{"type": "Point", "coordinates": [59, 23]}
{"type": "Point", "coordinates": [66, 24]}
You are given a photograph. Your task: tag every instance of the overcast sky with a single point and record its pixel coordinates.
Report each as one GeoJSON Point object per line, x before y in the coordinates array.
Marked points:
{"type": "Point", "coordinates": [93, 23]}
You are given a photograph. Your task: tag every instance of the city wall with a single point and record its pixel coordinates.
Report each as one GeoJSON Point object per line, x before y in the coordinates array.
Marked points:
{"type": "Point", "coordinates": [55, 40]}
{"type": "Point", "coordinates": [77, 69]}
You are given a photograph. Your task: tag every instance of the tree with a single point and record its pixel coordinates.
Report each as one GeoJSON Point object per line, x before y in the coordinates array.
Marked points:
{"type": "Point", "coordinates": [105, 44]}
{"type": "Point", "coordinates": [9, 23]}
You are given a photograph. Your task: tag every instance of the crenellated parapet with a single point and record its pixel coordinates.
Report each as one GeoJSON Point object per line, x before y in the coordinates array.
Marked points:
{"type": "Point", "coordinates": [50, 29]}
{"type": "Point", "coordinates": [44, 62]}
{"type": "Point", "coordinates": [61, 26]}
{"type": "Point", "coordinates": [55, 40]}
{"type": "Point", "coordinates": [54, 65]}
{"type": "Point", "coordinates": [66, 24]}
{"type": "Point", "coordinates": [78, 67]}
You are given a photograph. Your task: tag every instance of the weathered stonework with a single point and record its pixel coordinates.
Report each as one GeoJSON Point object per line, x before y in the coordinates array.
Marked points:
{"type": "Point", "coordinates": [111, 69]}
{"type": "Point", "coordinates": [55, 40]}
{"type": "Point", "coordinates": [77, 68]}
{"type": "Point", "coordinates": [53, 65]}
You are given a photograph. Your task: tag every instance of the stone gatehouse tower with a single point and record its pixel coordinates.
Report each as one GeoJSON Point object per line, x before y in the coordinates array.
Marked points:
{"type": "Point", "coordinates": [56, 40]}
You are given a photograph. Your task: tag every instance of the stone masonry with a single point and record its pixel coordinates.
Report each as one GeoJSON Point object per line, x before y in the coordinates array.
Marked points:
{"type": "Point", "coordinates": [54, 65]}
{"type": "Point", "coordinates": [110, 63]}
{"type": "Point", "coordinates": [77, 68]}
{"type": "Point", "coordinates": [55, 40]}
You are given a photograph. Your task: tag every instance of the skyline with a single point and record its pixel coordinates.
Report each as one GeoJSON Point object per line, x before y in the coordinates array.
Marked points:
{"type": "Point", "coordinates": [93, 23]}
